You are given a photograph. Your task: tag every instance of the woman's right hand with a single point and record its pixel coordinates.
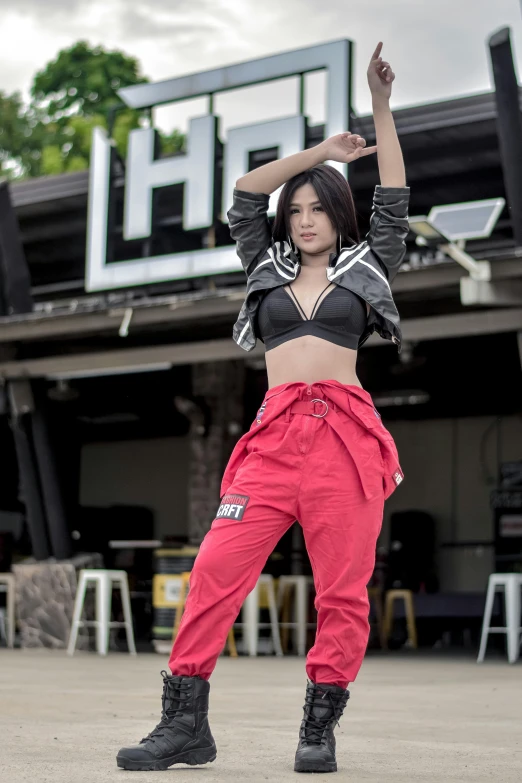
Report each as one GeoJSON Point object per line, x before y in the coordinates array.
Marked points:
{"type": "Point", "coordinates": [345, 147]}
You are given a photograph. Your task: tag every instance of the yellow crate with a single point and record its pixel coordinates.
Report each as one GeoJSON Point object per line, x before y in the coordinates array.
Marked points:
{"type": "Point", "coordinates": [166, 587]}
{"type": "Point", "coordinates": [165, 590]}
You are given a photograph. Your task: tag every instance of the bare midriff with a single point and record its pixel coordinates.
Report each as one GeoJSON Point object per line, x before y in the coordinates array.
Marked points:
{"type": "Point", "coordinates": [311, 359]}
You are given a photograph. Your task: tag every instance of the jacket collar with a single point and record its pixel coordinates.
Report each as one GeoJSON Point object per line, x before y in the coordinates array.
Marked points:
{"type": "Point", "coordinates": [287, 251]}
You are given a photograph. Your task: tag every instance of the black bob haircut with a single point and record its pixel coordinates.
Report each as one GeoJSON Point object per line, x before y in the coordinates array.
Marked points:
{"type": "Point", "coordinates": [335, 195]}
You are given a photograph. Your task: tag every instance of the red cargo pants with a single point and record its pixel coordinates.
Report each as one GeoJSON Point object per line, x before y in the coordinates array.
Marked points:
{"type": "Point", "coordinates": [317, 454]}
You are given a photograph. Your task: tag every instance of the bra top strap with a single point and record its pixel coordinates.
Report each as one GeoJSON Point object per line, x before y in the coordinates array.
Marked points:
{"type": "Point", "coordinates": [318, 298]}
{"type": "Point", "coordinates": [296, 300]}
{"type": "Point", "coordinates": [316, 301]}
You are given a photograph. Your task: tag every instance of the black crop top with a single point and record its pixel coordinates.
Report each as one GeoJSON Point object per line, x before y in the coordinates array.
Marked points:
{"type": "Point", "coordinates": [339, 318]}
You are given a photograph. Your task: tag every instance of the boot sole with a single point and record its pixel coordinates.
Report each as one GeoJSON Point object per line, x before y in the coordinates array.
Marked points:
{"type": "Point", "coordinates": [191, 757]}
{"type": "Point", "coordinates": [315, 766]}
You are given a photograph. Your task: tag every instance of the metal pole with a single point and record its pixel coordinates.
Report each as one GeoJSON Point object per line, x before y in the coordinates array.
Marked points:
{"type": "Point", "coordinates": [479, 270]}
{"type": "Point", "coordinates": [51, 491]}
{"type": "Point", "coordinates": [15, 280]}
{"type": "Point", "coordinates": [30, 490]}
{"type": "Point", "coordinates": [509, 124]}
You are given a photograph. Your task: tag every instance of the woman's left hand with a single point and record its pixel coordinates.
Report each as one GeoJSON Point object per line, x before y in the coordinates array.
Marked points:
{"type": "Point", "coordinates": [380, 75]}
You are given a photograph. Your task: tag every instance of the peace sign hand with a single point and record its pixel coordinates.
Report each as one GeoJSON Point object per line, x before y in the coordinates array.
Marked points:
{"type": "Point", "coordinates": [380, 75]}
{"type": "Point", "coordinates": [345, 147]}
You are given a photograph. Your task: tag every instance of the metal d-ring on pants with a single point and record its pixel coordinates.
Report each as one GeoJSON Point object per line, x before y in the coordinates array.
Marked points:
{"type": "Point", "coordinates": [318, 454]}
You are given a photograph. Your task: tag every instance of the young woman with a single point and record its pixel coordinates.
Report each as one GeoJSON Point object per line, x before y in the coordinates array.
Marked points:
{"type": "Point", "coordinates": [317, 451]}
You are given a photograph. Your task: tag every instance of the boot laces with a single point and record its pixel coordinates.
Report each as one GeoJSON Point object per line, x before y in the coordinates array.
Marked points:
{"type": "Point", "coordinates": [314, 726]}
{"type": "Point", "coordinates": [175, 696]}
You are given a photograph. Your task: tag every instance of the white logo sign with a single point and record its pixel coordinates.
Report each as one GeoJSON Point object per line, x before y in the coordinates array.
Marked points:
{"type": "Point", "coordinates": [196, 169]}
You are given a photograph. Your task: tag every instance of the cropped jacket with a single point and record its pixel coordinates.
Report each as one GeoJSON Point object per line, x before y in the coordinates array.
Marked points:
{"type": "Point", "coordinates": [367, 268]}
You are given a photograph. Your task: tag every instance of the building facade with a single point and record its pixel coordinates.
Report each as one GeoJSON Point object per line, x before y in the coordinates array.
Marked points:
{"type": "Point", "coordinates": [123, 387]}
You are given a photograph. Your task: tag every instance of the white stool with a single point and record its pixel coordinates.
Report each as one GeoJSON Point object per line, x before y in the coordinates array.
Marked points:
{"type": "Point", "coordinates": [511, 584]}
{"type": "Point", "coordinates": [300, 625]}
{"type": "Point", "coordinates": [250, 612]}
{"type": "Point", "coordinates": [7, 585]}
{"type": "Point", "coordinates": [104, 581]}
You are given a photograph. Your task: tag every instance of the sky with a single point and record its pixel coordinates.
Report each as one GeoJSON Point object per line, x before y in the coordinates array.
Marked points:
{"type": "Point", "coordinates": [437, 49]}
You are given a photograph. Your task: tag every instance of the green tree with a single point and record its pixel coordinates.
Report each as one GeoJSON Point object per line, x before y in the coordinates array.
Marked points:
{"type": "Point", "coordinates": [83, 80]}
{"type": "Point", "coordinates": [75, 92]}
{"type": "Point", "coordinates": [71, 151]}
{"type": "Point", "coordinates": [173, 142]}
{"type": "Point", "coordinates": [70, 96]}
{"type": "Point", "coordinates": [15, 135]}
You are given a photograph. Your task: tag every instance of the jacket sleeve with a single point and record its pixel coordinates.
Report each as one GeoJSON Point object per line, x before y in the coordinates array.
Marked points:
{"type": "Point", "coordinates": [249, 226]}
{"type": "Point", "coordinates": [389, 227]}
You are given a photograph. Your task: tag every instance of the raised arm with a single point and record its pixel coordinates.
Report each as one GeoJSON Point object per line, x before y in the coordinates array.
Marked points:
{"type": "Point", "coordinates": [247, 218]}
{"type": "Point", "coordinates": [389, 153]}
{"type": "Point", "coordinates": [389, 221]}
{"type": "Point", "coordinates": [344, 147]}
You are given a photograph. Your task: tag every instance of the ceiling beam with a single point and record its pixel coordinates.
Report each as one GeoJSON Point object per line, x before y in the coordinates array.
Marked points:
{"type": "Point", "coordinates": [151, 357]}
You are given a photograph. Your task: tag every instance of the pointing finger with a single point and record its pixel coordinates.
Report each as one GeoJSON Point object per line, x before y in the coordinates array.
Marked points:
{"type": "Point", "coordinates": [368, 151]}
{"type": "Point", "coordinates": [377, 51]}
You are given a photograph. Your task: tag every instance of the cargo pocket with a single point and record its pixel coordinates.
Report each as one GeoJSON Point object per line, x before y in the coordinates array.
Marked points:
{"type": "Point", "coordinates": [369, 417]}
{"type": "Point", "coordinates": [364, 413]}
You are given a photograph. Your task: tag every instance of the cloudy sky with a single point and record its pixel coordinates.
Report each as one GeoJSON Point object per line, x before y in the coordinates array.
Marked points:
{"type": "Point", "coordinates": [437, 48]}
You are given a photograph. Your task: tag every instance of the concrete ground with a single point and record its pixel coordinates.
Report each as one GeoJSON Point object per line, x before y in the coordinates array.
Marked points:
{"type": "Point", "coordinates": [410, 719]}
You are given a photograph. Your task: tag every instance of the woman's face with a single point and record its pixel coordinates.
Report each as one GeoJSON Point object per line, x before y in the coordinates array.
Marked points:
{"type": "Point", "coordinates": [310, 226]}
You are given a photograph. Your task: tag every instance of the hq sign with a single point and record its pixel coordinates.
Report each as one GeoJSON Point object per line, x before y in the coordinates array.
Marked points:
{"type": "Point", "coordinates": [196, 169]}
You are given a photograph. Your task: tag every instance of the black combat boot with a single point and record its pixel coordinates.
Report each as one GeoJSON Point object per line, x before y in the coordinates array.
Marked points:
{"type": "Point", "coordinates": [324, 705]}
{"type": "Point", "coordinates": [182, 736]}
